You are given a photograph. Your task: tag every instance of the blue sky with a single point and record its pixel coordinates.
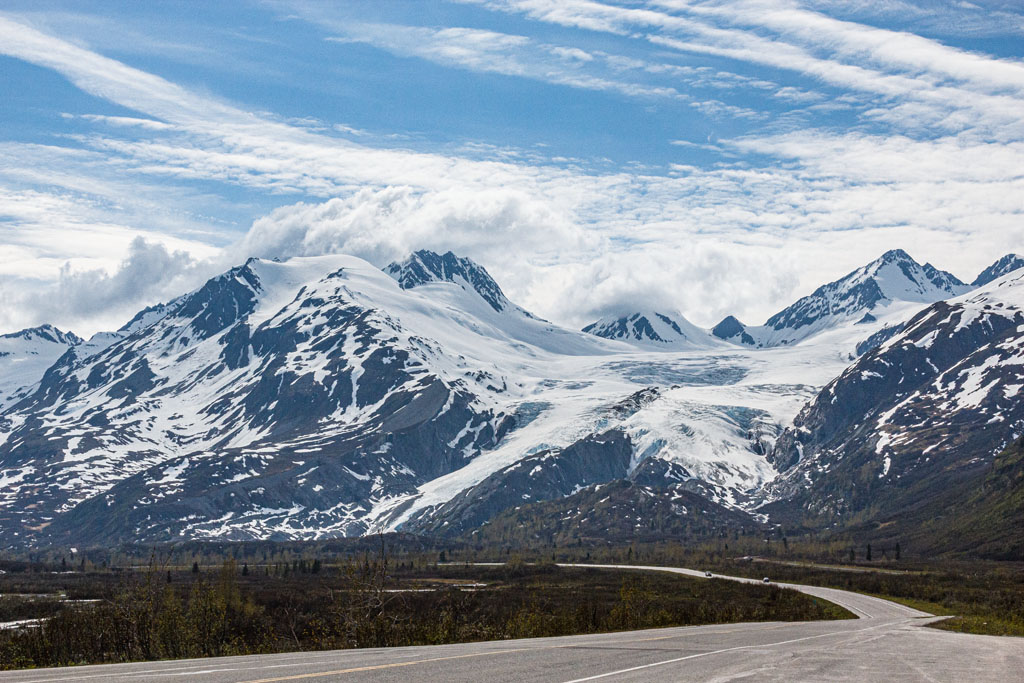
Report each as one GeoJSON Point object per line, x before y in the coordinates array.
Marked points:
{"type": "Point", "coordinates": [712, 157]}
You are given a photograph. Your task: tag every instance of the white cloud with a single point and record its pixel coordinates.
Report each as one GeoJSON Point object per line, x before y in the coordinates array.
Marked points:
{"type": "Point", "coordinates": [498, 226]}
{"type": "Point", "coordinates": [543, 259]}
{"type": "Point", "coordinates": [148, 273]}
{"type": "Point", "coordinates": [492, 52]}
{"type": "Point", "coordinates": [63, 260]}
{"type": "Point", "coordinates": [890, 64]}
{"type": "Point", "coordinates": [572, 53]}
{"type": "Point", "coordinates": [885, 48]}
{"type": "Point", "coordinates": [784, 213]}
{"type": "Point", "coordinates": [516, 55]}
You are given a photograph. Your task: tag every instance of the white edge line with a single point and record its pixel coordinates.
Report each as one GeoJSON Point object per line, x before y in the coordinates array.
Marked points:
{"type": "Point", "coordinates": [716, 652]}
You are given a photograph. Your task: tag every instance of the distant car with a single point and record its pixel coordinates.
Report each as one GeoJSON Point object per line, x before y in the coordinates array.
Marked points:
{"type": "Point", "coordinates": [707, 574]}
{"type": "Point", "coordinates": [766, 580]}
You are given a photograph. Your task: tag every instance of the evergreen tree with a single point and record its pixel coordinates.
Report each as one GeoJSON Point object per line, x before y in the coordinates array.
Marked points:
{"type": "Point", "coordinates": [869, 552]}
{"type": "Point", "coordinates": [245, 570]}
{"type": "Point", "coordinates": [897, 550]}
{"type": "Point", "coordinates": [195, 567]}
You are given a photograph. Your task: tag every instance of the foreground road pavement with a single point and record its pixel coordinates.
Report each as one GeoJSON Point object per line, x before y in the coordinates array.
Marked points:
{"type": "Point", "coordinates": [887, 643]}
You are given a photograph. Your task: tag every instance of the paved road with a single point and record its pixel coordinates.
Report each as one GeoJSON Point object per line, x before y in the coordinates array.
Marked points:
{"type": "Point", "coordinates": [887, 643]}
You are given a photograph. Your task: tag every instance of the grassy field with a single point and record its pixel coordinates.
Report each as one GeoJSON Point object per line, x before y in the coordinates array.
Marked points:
{"type": "Point", "coordinates": [161, 613]}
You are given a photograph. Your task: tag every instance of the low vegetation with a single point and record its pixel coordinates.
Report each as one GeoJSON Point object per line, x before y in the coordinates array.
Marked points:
{"type": "Point", "coordinates": [161, 612]}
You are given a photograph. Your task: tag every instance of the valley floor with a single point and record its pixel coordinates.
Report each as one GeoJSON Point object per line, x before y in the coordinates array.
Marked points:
{"type": "Point", "coordinates": [884, 643]}
{"type": "Point", "coordinates": [161, 613]}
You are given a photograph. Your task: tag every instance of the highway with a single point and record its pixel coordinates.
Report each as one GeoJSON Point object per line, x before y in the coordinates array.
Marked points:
{"type": "Point", "coordinates": [886, 643]}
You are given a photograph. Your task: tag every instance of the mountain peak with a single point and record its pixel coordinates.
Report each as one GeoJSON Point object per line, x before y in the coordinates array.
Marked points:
{"type": "Point", "coordinates": [894, 256]}
{"type": "Point", "coordinates": [649, 326]}
{"type": "Point", "coordinates": [425, 266]}
{"type": "Point", "coordinates": [894, 276]}
{"type": "Point", "coordinates": [731, 327]}
{"type": "Point", "coordinates": [26, 354]}
{"type": "Point", "coordinates": [910, 281]}
{"type": "Point", "coordinates": [221, 302]}
{"type": "Point", "coordinates": [45, 332]}
{"type": "Point", "coordinates": [1006, 264]}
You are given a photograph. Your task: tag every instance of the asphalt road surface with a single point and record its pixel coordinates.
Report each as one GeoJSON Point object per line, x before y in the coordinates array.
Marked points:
{"type": "Point", "coordinates": [887, 643]}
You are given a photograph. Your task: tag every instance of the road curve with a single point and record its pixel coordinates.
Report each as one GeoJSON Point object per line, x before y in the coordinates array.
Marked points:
{"type": "Point", "coordinates": [886, 643]}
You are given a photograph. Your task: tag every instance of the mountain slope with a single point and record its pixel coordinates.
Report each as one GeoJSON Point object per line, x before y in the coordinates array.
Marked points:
{"type": "Point", "coordinates": [617, 512]}
{"type": "Point", "coordinates": [989, 521]}
{"type": "Point", "coordinates": [893, 278]}
{"type": "Point", "coordinates": [913, 422]}
{"type": "Point", "coordinates": [981, 517]}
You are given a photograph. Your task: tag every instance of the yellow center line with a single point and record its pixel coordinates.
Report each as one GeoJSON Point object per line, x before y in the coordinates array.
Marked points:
{"type": "Point", "coordinates": [377, 667]}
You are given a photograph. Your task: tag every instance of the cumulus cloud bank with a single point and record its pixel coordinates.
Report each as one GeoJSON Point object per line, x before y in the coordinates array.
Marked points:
{"type": "Point", "coordinates": [546, 261]}
{"type": "Point", "coordinates": [387, 224]}
{"type": "Point", "coordinates": [148, 273]}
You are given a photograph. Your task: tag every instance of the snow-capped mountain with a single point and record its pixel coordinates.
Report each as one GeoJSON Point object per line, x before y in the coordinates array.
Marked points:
{"type": "Point", "coordinates": [1006, 264]}
{"type": "Point", "coordinates": [892, 279]}
{"type": "Point", "coordinates": [41, 334]}
{"type": "Point", "coordinates": [25, 356]}
{"type": "Point", "coordinates": [318, 396]}
{"type": "Point", "coordinates": [424, 267]}
{"type": "Point", "coordinates": [653, 329]}
{"type": "Point", "coordinates": [305, 355]}
{"type": "Point", "coordinates": [324, 397]}
{"type": "Point", "coordinates": [915, 421]}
